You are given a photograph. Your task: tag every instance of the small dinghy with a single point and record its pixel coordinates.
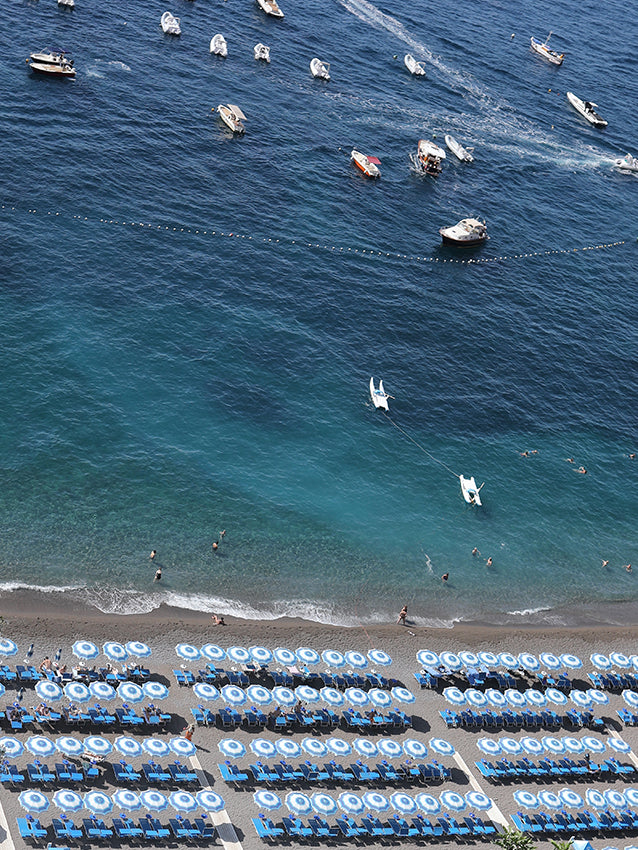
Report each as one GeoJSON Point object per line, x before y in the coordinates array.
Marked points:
{"type": "Point", "coordinates": [543, 49]}
{"type": "Point", "coordinates": [319, 69]}
{"type": "Point", "coordinates": [458, 150]}
{"type": "Point", "coordinates": [379, 396]}
{"type": "Point", "coordinates": [586, 109]}
{"type": "Point", "coordinates": [413, 66]}
{"type": "Point", "coordinates": [367, 164]}
{"type": "Point", "coordinates": [471, 493]}
{"type": "Point", "coordinates": [232, 116]}
{"type": "Point", "coordinates": [170, 24]}
{"type": "Point", "coordinates": [262, 51]}
{"type": "Point", "coordinates": [627, 163]}
{"type": "Point", "coordinates": [218, 45]}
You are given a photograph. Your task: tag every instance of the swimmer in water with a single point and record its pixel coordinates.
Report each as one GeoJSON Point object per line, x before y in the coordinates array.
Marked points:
{"type": "Point", "coordinates": [153, 554]}
{"type": "Point", "coordinates": [628, 567]}
{"type": "Point", "coordinates": [582, 470]}
{"type": "Point", "coordinates": [445, 576]}
{"type": "Point", "coordinates": [489, 561]}
{"type": "Point", "coordinates": [158, 574]}
{"type": "Point", "coordinates": [215, 546]}
{"type": "Point", "coordinates": [605, 563]}
{"type": "Point", "coordinates": [475, 551]}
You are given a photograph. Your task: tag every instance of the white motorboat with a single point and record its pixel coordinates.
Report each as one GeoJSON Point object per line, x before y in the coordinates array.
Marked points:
{"type": "Point", "coordinates": [543, 49]}
{"type": "Point", "coordinates": [471, 493]}
{"type": "Point", "coordinates": [367, 164]}
{"type": "Point", "coordinates": [218, 45]}
{"type": "Point", "coordinates": [469, 231]}
{"type": "Point", "coordinates": [379, 396]}
{"type": "Point", "coordinates": [262, 51]}
{"type": "Point", "coordinates": [320, 69]}
{"type": "Point", "coordinates": [428, 157]}
{"type": "Point", "coordinates": [413, 66]}
{"type": "Point", "coordinates": [270, 7]}
{"type": "Point", "coordinates": [70, 4]}
{"type": "Point", "coordinates": [170, 24]}
{"type": "Point", "coordinates": [586, 109]}
{"type": "Point", "coordinates": [458, 150]}
{"type": "Point", "coordinates": [232, 116]}
{"type": "Point", "coordinates": [61, 70]}
{"type": "Point", "coordinates": [627, 163]}
{"type": "Point", "coordinates": [51, 57]}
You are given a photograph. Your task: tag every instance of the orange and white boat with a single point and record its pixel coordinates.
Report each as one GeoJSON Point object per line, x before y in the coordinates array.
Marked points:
{"type": "Point", "coordinates": [367, 164]}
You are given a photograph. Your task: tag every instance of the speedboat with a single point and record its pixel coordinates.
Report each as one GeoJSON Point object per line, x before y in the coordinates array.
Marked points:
{"type": "Point", "coordinates": [586, 109]}
{"type": "Point", "coordinates": [367, 164]}
{"type": "Point", "coordinates": [413, 66]}
{"type": "Point", "coordinates": [70, 4]}
{"type": "Point", "coordinates": [471, 493]}
{"type": "Point", "coordinates": [469, 231]}
{"type": "Point", "coordinates": [428, 157]}
{"type": "Point", "coordinates": [218, 45]}
{"type": "Point", "coordinates": [232, 116]}
{"type": "Point", "coordinates": [61, 68]}
{"type": "Point", "coordinates": [379, 396]}
{"type": "Point", "coordinates": [170, 24]}
{"type": "Point", "coordinates": [542, 48]}
{"type": "Point", "coordinates": [320, 69]}
{"type": "Point", "coordinates": [270, 7]}
{"type": "Point", "coordinates": [458, 150]}
{"type": "Point", "coordinates": [262, 51]}
{"type": "Point", "coordinates": [51, 57]}
{"type": "Point", "coordinates": [627, 163]}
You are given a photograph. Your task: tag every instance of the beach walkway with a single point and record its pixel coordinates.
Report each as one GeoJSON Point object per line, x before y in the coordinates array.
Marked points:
{"type": "Point", "coordinates": [223, 824]}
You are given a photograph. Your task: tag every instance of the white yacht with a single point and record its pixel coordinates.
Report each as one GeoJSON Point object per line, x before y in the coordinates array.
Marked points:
{"type": "Point", "coordinates": [627, 163]}
{"type": "Point", "coordinates": [471, 493]}
{"type": "Point", "coordinates": [170, 24]}
{"type": "Point", "coordinates": [428, 157]}
{"type": "Point", "coordinates": [379, 396]}
{"type": "Point", "coordinates": [543, 49]}
{"type": "Point", "coordinates": [469, 231]}
{"type": "Point", "coordinates": [232, 116]}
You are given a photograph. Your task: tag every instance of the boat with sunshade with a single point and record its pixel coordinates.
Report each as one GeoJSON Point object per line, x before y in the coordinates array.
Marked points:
{"type": "Point", "coordinates": [262, 51]}
{"type": "Point", "coordinates": [232, 116]}
{"type": "Point", "coordinates": [60, 68]}
{"type": "Point", "coordinates": [543, 49]}
{"type": "Point", "coordinates": [414, 67]}
{"type": "Point", "coordinates": [428, 157]}
{"type": "Point", "coordinates": [367, 164]}
{"type": "Point", "coordinates": [218, 45]}
{"type": "Point", "coordinates": [51, 57]}
{"type": "Point", "coordinates": [379, 396]}
{"type": "Point", "coordinates": [170, 24]}
{"type": "Point", "coordinates": [587, 109]}
{"type": "Point", "coordinates": [319, 69]}
{"type": "Point", "coordinates": [271, 8]}
{"type": "Point", "coordinates": [627, 163]}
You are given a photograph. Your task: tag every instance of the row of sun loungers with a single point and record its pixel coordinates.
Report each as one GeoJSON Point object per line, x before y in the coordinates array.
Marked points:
{"type": "Point", "coordinates": [428, 678]}
{"type": "Point", "coordinates": [28, 674]}
{"type": "Point", "coordinates": [231, 718]}
{"type": "Point", "coordinates": [19, 719]}
{"type": "Point", "coordinates": [148, 828]}
{"type": "Point", "coordinates": [215, 676]}
{"type": "Point", "coordinates": [524, 769]}
{"type": "Point", "coordinates": [584, 821]}
{"type": "Point", "coordinates": [284, 774]}
{"type": "Point", "coordinates": [527, 719]}
{"type": "Point", "coordinates": [628, 717]}
{"type": "Point", "coordinates": [614, 681]}
{"type": "Point", "coordinates": [67, 772]}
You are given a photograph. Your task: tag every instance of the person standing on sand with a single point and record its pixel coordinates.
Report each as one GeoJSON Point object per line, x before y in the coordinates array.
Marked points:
{"type": "Point", "coordinates": [403, 613]}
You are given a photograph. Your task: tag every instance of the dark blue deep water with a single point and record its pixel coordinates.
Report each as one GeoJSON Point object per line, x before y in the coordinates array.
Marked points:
{"type": "Point", "coordinates": [189, 321]}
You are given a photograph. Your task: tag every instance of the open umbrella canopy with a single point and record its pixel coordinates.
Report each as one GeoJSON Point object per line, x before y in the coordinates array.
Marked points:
{"type": "Point", "coordinates": [267, 800]}
{"type": "Point", "coordinates": [284, 696]}
{"type": "Point", "coordinates": [573, 745]}
{"type": "Point", "coordinates": [511, 746]}
{"type": "Point", "coordinates": [450, 660]}
{"type": "Point", "coordinates": [210, 800]}
{"type": "Point", "coordinates": [615, 798]}
{"type": "Point", "coordinates": [476, 698]}
{"type": "Point", "coordinates": [128, 746]}
{"type": "Point", "coordinates": [581, 698]}
{"type": "Point", "coordinates": [526, 799]}
{"type": "Point", "coordinates": [259, 694]}
{"type": "Point", "coordinates": [478, 800]}
{"type": "Point", "coordinates": [508, 660]}
{"type": "Point", "coordinates": [182, 801]}
{"type": "Point", "coordinates": [554, 745]}
{"type": "Point", "coordinates": [453, 801]}
{"type": "Point", "coordinates": [127, 800]}
{"type": "Point", "coordinates": [571, 661]}
{"type": "Point", "coordinates": [213, 652]}
{"type": "Point", "coordinates": [443, 748]}
{"type": "Point", "coordinates": [378, 656]}
{"type": "Point", "coordinates": [47, 690]}
{"type": "Point", "coordinates": [115, 651]}
{"type": "Point", "coordinates": [98, 745]}
{"type": "Point", "coordinates": [356, 659]}
{"type": "Point", "coordinates": [98, 802]}
{"type": "Point", "coordinates": [631, 795]}
{"type": "Point", "coordinates": [307, 694]}
{"type": "Point", "coordinates": [12, 746]}
{"type": "Point", "coordinates": [102, 690]}
{"type": "Point", "coordinates": [375, 801]}
{"type": "Point", "coordinates": [390, 748]}
{"type": "Point", "coordinates": [298, 803]}
{"type": "Point", "coordinates": [415, 749]}
{"type": "Point", "coordinates": [77, 692]}
{"type": "Point", "coordinates": [182, 747]}
{"type": "Point", "coordinates": [155, 690]}
{"type": "Point", "coordinates": [314, 747]}
{"type": "Point", "coordinates": [203, 690]}
{"type": "Point", "coordinates": [260, 654]}
{"type": "Point", "coordinates": [40, 746]}
{"type": "Point", "coordinates": [489, 746]}
{"type": "Point", "coordinates": [595, 798]}
{"type": "Point", "coordinates": [496, 698]}
{"type": "Point", "coordinates": [8, 647]}
{"type": "Point", "coordinates": [597, 696]}
{"type": "Point", "coordinates": [401, 694]}
{"type": "Point", "coordinates": [535, 697]}
{"type": "Point", "coordinates": [33, 801]}
{"type": "Point", "coordinates": [69, 746]}
{"type": "Point", "coordinates": [529, 662]}
{"type": "Point", "coordinates": [556, 696]}
{"type": "Point", "coordinates": [232, 748]}
{"type": "Point", "coordinates": [469, 659]}
{"type": "Point", "coordinates": [285, 656]}
{"type": "Point", "coordinates": [153, 800]}
{"type": "Point", "coordinates": [238, 654]}
{"type": "Point", "coordinates": [357, 696]}
{"type": "Point", "coordinates": [550, 799]}
{"type": "Point", "coordinates": [631, 698]}
{"type": "Point", "coordinates": [489, 659]}
{"type": "Point", "coordinates": [130, 692]}
{"type": "Point", "coordinates": [618, 745]}
{"type": "Point", "coordinates": [619, 659]}
{"type": "Point", "coordinates": [351, 803]}
{"type": "Point", "coordinates": [263, 748]}
{"type": "Point", "coordinates": [571, 798]}
{"type": "Point", "coordinates": [307, 655]}
{"type": "Point", "coordinates": [600, 661]}
{"type": "Point", "coordinates": [233, 695]}
{"type": "Point", "coordinates": [138, 649]}
{"type": "Point", "coordinates": [288, 748]}
{"type": "Point", "coordinates": [365, 747]}
{"type": "Point", "coordinates": [428, 658]}
{"type": "Point", "coordinates": [323, 804]}
{"type": "Point", "coordinates": [428, 804]}
{"type": "Point", "coordinates": [454, 695]}
{"type": "Point", "coordinates": [515, 698]}
{"type": "Point", "coordinates": [332, 696]}
{"type": "Point", "coordinates": [68, 800]}
{"type": "Point", "coordinates": [532, 746]}
{"type": "Point", "coordinates": [379, 698]}
{"type": "Point", "coordinates": [595, 745]}
{"type": "Point", "coordinates": [188, 652]}
{"type": "Point", "coordinates": [339, 747]}
{"type": "Point", "coordinates": [155, 747]}
{"type": "Point", "coordinates": [85, 649]}
{"type": "Point", "coordinates": [550, 661]}
{"type": "Point", "coordinates": [333, 658]}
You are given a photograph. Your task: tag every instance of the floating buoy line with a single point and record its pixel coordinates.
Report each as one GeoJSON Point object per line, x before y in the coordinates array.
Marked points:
{"type": "Point", "coordinates": [336, 249]}
{"type": "Point", "coordinates": [416, 443]}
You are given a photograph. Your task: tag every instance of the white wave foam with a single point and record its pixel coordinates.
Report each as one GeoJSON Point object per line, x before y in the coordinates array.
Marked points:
{"type": "Point", "coordinates": [11, 586]}
{"type": "Point", "coordinates": [527, 612]}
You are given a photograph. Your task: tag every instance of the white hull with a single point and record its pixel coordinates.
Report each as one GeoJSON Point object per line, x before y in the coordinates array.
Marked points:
{"type": "Point", "coordinates": [628, 163]}
{"type": "Point", "coordinates": [232, 118]}
{"type": "Point", "coordinates": [364, 164]}
{"type": "Point", "coordinates": [46, 57]}
{"type": "Point", "coordinates": [428, 157]}
{"type": "Point", "coordinates": [543, 50]}
{"type": "Point", "coordinates": [218, 45]}
{"type": "Point", "coordinates": [586, 109]}
{"type": "Point", "coordinates": [319, 69]}
{"type": "Point", "coordinates": [170, 24]}
{"type": "Point", "coordinates": [271, 8]}
{"type": "Point", "coordinates": [458, 150]}
{"type": "Point", "coordinates": [262, 52]}
{"type": "Point", "coordinates": [471, 493]}
{"type": "Point", "coordinates": [413, 66]}
{"type": "Point", "coordinates": [468, 232]}
{"type": "Point", "coordinates": [53, 70]}
{"type": "Point", "coordinates": [379, 396]}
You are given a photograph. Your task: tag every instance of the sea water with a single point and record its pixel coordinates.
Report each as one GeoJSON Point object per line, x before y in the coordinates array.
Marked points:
{"type": "Point", "coordinates": [190, 320]}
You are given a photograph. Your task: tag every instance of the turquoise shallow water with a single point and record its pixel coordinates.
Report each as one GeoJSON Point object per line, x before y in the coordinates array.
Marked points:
{"type": "Point", "coordinates": [162, 381]}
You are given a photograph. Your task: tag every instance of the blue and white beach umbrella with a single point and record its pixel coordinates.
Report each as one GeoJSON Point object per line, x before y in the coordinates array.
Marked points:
{"type": "Point", "coordinates": [511, 746]}
{"type": "Point", "coordinates": [571, 798]}
{"type": "Point", "coordinates": [102, 690]}
{"type": "Point", "coordinates": [259, 694]}
{"type": "Point", "coordinates": [470, 659]}
{"type": "Point", "coordinates": [476, 698]}
{"type": "Point", "coordinates": [619, 659]}
{"type": "Point", "coordinates": [550, 661]}
{"type": "Point", "coordinates": [77, 692]}
{"type": "Point", "coordinates": [428, 804]}
{"type": "Point", "coordinates": [49, 691]}
{"type": "Point", "coordinates": [260, 654]}
{"type": "Point", "coordinates": [595, 745]}
{"type": "Point", "coordinates": [285, 656]}
{"type": "Point", "coordinates": [428, 658]}
{"type": "Point", "coordinates": [69, 746]}
{"type": "Point", "coordinates": [535, 697]}
{"type": "Point", "coordinates": [263, 747]}
{"type": "Point", "coordinates": [450, 660]}
{"type": "Point", "coordinates": [85, 649]}
{"type": "Point", "coordinates": [182, 747]}
{"type": "Point", "coordinates": [550, 799]}
{"type": "Point", "coordinates": [571, 661]}
{"type": "Point", "coordinates": [333, 658]}
{"type": "Point", "coordinates": [515, 698]}
{"type": "Point", "coordinates": [287, 747]}
{"type": "Point", "coordinates": [98, 745]}
{"type": "Point", "coordinates": [573, 745]}
{"type": "Point", "coordinates": [232, 748]}
{"type": "Point", "coordinates": [298, 803]}
{"type": "Point", "coordinates": [379, 698]}
{"type": "Point", "coordinates": [339, 747]}
{"type": "Point", "coordinates": [267, 800]}
{"type": "Point", "coordinates": [598, 696]}
{"type": "Point", "coordinates": [554, 745]}
{"type": "Point", "coordinates": [631, 795]}
{"type": "Point", "coordinates": [153, 800]}
{"type": "Point", "coordinates": [616, 799]}
{"type": "Point", "coordinates": [203, 690]}
{"type": "Point", "coordinates": [213, 652]}
{"type": "Point", "coordinates": [332, 696]}
{"type": "Point", "coordinates": [453, 801]}
{"type": "Point", "coordinates": [127, 800]}
{"type": "Point", "coordinates": [489, 746]}
{"type": "Point", "coordinates": [238, 654]}
{"type": "Point", "coordinates": [356, 659]}
{"type": "Point", "coordinates": [11, 746]}
{"type": "Point", "coordinates": [357, 696]}
{"type": "Point", "coordinates": [365, 747]}
{"type": "Point", "coordinates": [233, 695]}
{"type": "Point", "coordinates": [506, 659]}
{"type": "Point", "coordinates": [618, 745]}
{"type": "Point", "coordinates": [378, 656]}
{"type": "Point", "coordinates": [401, 694]}
{"type": "Point", "coordinates": [489, 659]}
{"type": "Point", "coordinates": [115, 651]}
{"type": "Point", "coordinates": [496, 698]}
{"type": "Point", "coordinates": [529, 662]}
{"type": "Point", "coordinates": [130, 692]}
{"type": "Point", "coordinates": [68, 800]}
{"type": "Point", "coordinates": [634, 661]}
{"type": "Point", "coordinates": [532, 746]}
{"type": "Point", "coordinates": [155, 747]}
{"type": "Point", "coordinates": [307, 694]}
{"type": "Point", "coordinates": [350, 803]}
{"type": "Point", "coordinates": [40, 746]}
{"type": "Point", "coordinates": [188, 652]}
{"type": "Point", "coordinates": [138, 649]}
{"type": "Point", "coordinates": [307, 655]}
{"type": "Point", "coordinates": [443, 748]}
{"type": "Point", "coordinates": [454, 695]}
{"type": "Point", "coordinates": [526, 799]}
{"type": "Point", "coordinates": [128, 746]}
{"type": "Point", "coordinates": [8, 647]}
{"type": "Point", "coordinates": [210, 800]}
{"type": "Point", "coordinates": [314, 747]}
{"type": "Point", "coordinates": [631, 698]}
{"type": "Point", "coordinates": [600, 661]}
{"type": "Point", "coordinates": [376, 802]}
{"type": "Point", "coordinates": [284, 696]}
{"type": "Point", "coordinates": [556, 696]}
{"type": "Point", "coordinates": [98, 802]}
{"type": "Point", "coordinates": [581, 698]}
{"type": "Point", "coordinates": [33, 801]}
{"type": "Point", "coordinates": [182, 801]}
{"type": "Point", "coordinates": [478, 800]}
{"type": "Point", "coordinates": [155, 690]}
{"type": "Point", "coordinates": [323, 804]}
{"type": "Point", "coordinates": [415, 749]}
{"type": "Point", "coordinates": [390, 748]}
{"type": "Point", "coordinates": [595, 798]}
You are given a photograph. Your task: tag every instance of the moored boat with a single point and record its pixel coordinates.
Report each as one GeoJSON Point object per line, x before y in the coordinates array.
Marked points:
{"type": "Point", "coordinates": [627, 163]}
{"type": "Point", "coordinates": [271, 8]}
{"type": "Point", "coordinates": [320, 69]}
{"type": "Point", "coordinates": [218, 45]}
{"type": "Point", "coordinates": [70, 4]}
{"type": "Point", "coordinates": [543, 49]}
{"type": "Point", "coordinates": [468, 232]}
{"type": "Point", "coordinates": [54, 64]}
{"type": "Point", "coordinates": [170, 24]}
{"type": "Point", "coordinates": [471, 493]}
{"type": "Point", "coordinates": [428, 157]}
{"type": "Point", "coordinates": [413, 66]}
{"type": "Point", "coordinates": [458, 150]}
{"type": "Point", "coordinates": [232, 116]}
{"type": "Point", "coordinates": [587, 109]}
{"type": "Point", "coordinates": [379, 396]}
{"type": "Point", "coordinates": [262, 51]}
{"type": "Point", "coordinates": [367, 164]}
{"type": "Point", "coordinates": [51, 57]}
